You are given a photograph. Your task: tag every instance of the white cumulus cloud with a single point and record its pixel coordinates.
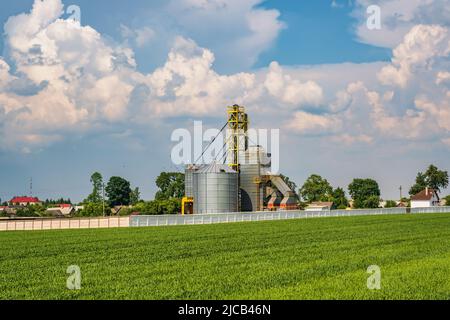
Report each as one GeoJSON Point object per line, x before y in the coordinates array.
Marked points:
{"type": "Point", "coordinates": [397, 19]}
{"type": "Point", "coordinates": [242, 29]}
{"type": "Point", "coordinates": [313, 124]}
{"type": "Point", "coordinates": [80, 77]}
{"type": "Point", "coordinates": [292, 91]}
{"type": "Point", "coordinates": [65, 78]}
{"type": "Point", "coordinates": [421, 46]}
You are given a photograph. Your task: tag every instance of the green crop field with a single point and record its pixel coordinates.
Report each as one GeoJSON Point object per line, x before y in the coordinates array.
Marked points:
{"type": "Point", "coordinates": [297, 259]}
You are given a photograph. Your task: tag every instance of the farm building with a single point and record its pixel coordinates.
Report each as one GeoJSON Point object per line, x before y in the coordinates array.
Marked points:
{"type": "Point", "coordinates": [24, 201]}
{"type": "Point", "coordinates": [319, 206]}
{"type": "Point", "coordinates": [425, 199]}
{"type": "Point", "coordinates": [64, 210]}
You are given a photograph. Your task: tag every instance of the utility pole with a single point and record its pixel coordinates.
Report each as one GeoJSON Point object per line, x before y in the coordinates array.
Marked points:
{"type": "Point", "coordinates": [401, 195]}
{"type": "Point", "coordinates": [31, 186]}
{"type": "Point", "coordinates": [103, 198]}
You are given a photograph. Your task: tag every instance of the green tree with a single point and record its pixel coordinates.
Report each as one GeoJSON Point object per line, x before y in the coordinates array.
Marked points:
{"type": "Point", "coordinates": [419, 185]}
{"type": "Point", "coordinates": [97, 183]}
{"type": "Point", "coordinates": [93, 210]}
{"type": "Point", "coordinates": [25, 213]}
{"type": "Point", "coordinates": [135, 196]}
{"type": "Point", "coordinates": [447, 200]}
{"type": "Point", "coordinates": [170, 206]}
{"type": "Point", "coordinates": [158, 207]}
{"type": "Point", "coordinates": [171, 185]}
{"type": "Point", "coordinates": [339, 199]}
{"type": "Point", "coordinates": [316, 189]}
{"type": "Point", "coordinates": [118, 191]}
{"type": "Point", "coordinates": [390, 204]}
{"type": "Point", "coordinates": [365, 193]}
{"type": "Point", "coordinates": [432, 178]}
{"type": "Point", "coordinates": [50, 202]}
{"type": "Point", "coordinates": [147, 208]}
{"type": "Point", "coordinates": [31, 211]}
{"type": "Point", "coordinates": [372, 202]}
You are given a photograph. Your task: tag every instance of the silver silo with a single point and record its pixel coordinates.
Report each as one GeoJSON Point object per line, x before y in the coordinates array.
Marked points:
{"type": "Point", "coordinates": [255, 164]}
{"type": "Point", "coordinates": [215, 189]}
{"type": "Point", "coordinates": [189, 179]}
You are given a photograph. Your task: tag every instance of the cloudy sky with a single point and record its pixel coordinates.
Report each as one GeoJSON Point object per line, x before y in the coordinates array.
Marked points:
{"type": "Point", "coordinates": [105, 92]}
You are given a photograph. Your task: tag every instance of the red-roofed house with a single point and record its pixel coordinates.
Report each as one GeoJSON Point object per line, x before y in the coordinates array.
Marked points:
{"type": "Point", "coordinates": [425, 198]}
{"type": "Point", "coordinates": [24, 201]}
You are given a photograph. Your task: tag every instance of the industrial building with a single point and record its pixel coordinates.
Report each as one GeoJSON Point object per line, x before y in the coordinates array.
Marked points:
{"type": "Point", "coordinates": [242, 182]}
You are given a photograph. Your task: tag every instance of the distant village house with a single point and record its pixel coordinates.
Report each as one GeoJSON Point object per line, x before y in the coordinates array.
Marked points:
{"type": "Point", "coordinates": [24, 201]}
{"type": "Point", "coordinates": [425, 199]}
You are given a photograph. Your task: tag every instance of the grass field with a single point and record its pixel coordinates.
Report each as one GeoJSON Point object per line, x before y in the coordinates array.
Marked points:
{"type": "Point", "coordinates": [297, 259]}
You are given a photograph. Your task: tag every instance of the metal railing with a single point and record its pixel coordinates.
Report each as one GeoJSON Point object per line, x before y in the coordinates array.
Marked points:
{"type": "Point", "coordinates": [176, 220]}
{"type": "Point", "coordinates": [173, 220]}
{"type": "Point", "coordinates": [431, 210]}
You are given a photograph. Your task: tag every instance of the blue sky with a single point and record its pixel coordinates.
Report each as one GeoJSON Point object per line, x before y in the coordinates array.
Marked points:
{"type": "Point", "coordinates": [105, 95]}
{"type": "Point", "coordinates": [315, 33]}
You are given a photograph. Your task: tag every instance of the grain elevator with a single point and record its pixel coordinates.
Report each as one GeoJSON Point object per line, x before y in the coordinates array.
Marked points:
{"type": "Point", "coordinates": [243, 182]}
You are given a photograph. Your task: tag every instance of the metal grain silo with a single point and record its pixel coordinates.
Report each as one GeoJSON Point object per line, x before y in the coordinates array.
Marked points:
{"type": "Point", "coordinates": [215, 189]}
{"type": "Point", "coordinates": [255, 165]}
{"type": "Point", "coordinates": [189, 179]}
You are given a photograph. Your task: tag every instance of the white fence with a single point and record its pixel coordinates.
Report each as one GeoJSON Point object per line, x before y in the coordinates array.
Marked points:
{"type": "Point", "coordinates": [431, 210]}
{"type": "Point", "coordinates": [173, 220]}
{"type": "Point", "coordinates": [68, 223]}
{"type": "Point", "coordinates": [167, 220]}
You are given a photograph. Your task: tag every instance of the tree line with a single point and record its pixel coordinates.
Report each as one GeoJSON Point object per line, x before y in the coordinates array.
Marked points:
{"type": "Point", "coordinates": [118, 192]}
{"type": "Point", "coordinates": [366, 193]}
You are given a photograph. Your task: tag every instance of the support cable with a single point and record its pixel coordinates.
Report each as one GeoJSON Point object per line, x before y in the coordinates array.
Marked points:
{"type": "Point", "coordinates": [212, 141]}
